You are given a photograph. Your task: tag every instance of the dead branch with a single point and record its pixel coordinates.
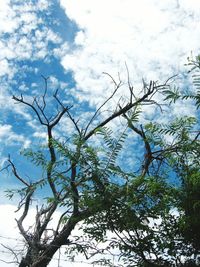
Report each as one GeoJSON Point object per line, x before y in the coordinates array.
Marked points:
{"type": "Point", "coordinates": [26, 236]}
{"type": "Point", "coordinates": [12, 251]}
{"type": "Point", "coordinates": [123, 110]}
{"type": "Point", "coordinates": [21, 100]}
{"type": "Point", "coordinates": [45, 92]}
{"type": "Point", "coordinates": [16, 173]}
{"type": "Point", "coordinates": [117, 86]}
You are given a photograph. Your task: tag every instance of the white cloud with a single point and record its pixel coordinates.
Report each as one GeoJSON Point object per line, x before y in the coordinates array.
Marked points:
{"type": "Point", "coordinates": [9, 137]}
{"type": "Point", "coordinates": [61, 51]}
{"type": "Point", "coordinates": [5, 12]}
{"type": "Point", "coordinates": [5, 68]}
{"type": "Point", "coordinates": [4, 130]}
{"type": "Point", "coordinates": [42, 136]}
{"type": "Point", "coordinates": [153, 37]}
{"type": "Point", "coordinates": [25, 35]}
{"type": "Point", "coordinates": [8, 233]}
{"type": "Point", "coordinates": [181, 109]}
{"type": "Point", "coordinates": [23, 87]}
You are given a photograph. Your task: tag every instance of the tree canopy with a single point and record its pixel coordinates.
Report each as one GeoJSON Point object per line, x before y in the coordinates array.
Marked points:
{"type": "Point", "coordinates": [147, 214]}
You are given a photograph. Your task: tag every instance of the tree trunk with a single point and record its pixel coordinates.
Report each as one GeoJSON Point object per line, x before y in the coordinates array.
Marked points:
{"type": "Point", "coordinates": [43, 259]}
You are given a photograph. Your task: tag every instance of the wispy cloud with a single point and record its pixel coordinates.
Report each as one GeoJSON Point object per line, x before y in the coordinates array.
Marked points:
{"type": "Point", "coordinates": [153, 37]}
{"type": "Point", "coordinates": [28, 37]}
{"type": "Point", "coordinates": [8, 137]}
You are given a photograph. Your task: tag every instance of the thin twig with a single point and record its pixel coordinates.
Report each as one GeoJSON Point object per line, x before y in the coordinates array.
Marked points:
{"type": "Point", "coordinates": [117, 86]}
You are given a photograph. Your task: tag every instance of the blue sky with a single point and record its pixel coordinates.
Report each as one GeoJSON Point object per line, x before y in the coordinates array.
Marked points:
{"type": "Point", "coordinates": [73, 42]}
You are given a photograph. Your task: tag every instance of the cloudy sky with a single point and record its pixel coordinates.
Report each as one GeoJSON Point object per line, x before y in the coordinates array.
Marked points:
{"type": "Point", "coordinates": [73, 42]}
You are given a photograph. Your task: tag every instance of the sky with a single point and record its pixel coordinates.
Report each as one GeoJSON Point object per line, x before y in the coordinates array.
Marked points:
{"type": "Point", "coordinates": [73, 42]}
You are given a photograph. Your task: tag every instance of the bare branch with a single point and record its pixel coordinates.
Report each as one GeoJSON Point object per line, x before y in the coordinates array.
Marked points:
{"type": "Point", "coordinates": [57, 99]}
{"type": "Point", "coordinates": [75, 123]}
{"type": "Point", "coordinates": [113, 80]}
{"type": "Point", "coordinates": [58, 117]}
{"type": "Point", "coordinates": [41, 109]}
{"type": "Point", "coordinates": [52, 161]}
{"type": "Point", "coordinates": [24, 214]}
{"type": "Point", "coordinates": [119, 113]}
{"type": "Point", "coordinates": [65, 110]}
{"type": "Point", "coordinates": [45, 92]}
{"type": "Point", "coordinates": [48, 214]}
{"type": "Point", "coordinates": [21, 100]}
{"type": "Point", "coordinates": [13, 253]}
{"type": "Point", "coordinates": [16, 174]}
{"type": "Point", "coordinates": [60, 221]}
{"type": "Point", "coordinates": [117, 86]}
{"type": "Point", "coordinates": [130, 85]}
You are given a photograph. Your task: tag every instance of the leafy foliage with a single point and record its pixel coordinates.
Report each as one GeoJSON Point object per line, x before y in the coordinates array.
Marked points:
{"type": "Point", "coordinates": [145, 216]}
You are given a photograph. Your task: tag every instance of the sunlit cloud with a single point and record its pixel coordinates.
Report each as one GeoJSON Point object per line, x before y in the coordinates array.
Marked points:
{"type": "Point", "coordinates": [154, 38]}
{"type": "Point", "coordinates": [9, 137]}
